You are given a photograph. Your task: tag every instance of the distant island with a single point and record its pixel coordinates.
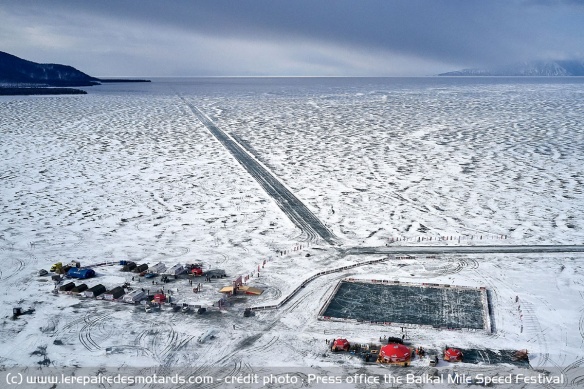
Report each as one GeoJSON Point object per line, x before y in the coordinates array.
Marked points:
{"type": "Point", "coordinates": [562, 68]}
{"type": "Point", "coordinates": [110, 80]}
{"type": "Point", "coordinates": [21, 77]}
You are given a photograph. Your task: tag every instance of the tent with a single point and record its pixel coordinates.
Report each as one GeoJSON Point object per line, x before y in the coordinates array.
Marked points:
{"type": "Point", "coordinates": [79, 288]}
{"type": "Point", "coordinates": [129, 266]}
{"type": "Point", "coordinates": [82, 274]}
{"type": "Point", "coordinates": [140, 268]}
{"type": "Point", "coordinates": [340, 345]}
{"type": "Point", "coordinates": [115, 293]}
{"type": "Point", "coordinates": [395, 353]}
{"type": "Point", "coordinates": [67, 287]}
{"type": "Point", "coordinates": [95, 291]}
{"type": "Point", "coordinates": [453, 355]}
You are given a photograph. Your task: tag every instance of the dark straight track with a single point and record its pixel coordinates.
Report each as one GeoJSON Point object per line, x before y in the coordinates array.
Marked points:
{"type": "Point", "coordinates": [296, 211]}
{"type": "Point", "coordinates": [526, 249]}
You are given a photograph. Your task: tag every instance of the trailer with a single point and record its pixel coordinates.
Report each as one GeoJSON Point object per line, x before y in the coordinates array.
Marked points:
{"type": "Point", "coordinates": [115, 293]}
{"type": "Point", "coordinates": [95, 291]}
{"type": "Point", "coordinates": [134, 296]}
{"type": "Point", "coordinates": [175, 270]}
{"type": "Point", "coordinates": [158, 268]}
{"type": "Point", "coordinates": [215, 273]}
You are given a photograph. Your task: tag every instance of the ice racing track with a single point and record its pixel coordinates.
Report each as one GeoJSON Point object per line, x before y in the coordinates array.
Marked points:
{"type": "Point", "coordinates": [309, 224]}
{"type": "Point", "coordinates": [298, 213]}
{"type": "Point", "coordinates": [526, 249]}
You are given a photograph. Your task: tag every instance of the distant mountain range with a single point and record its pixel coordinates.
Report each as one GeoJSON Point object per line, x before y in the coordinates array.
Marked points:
{"type": "Point", "coordinates": [18, 72]}
{"type": "Point", "coordinates": [530, 69]}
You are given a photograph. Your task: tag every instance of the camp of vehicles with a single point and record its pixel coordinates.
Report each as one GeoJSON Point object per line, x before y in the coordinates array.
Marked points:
{"type": "Point", "coordinates": [153, 295]}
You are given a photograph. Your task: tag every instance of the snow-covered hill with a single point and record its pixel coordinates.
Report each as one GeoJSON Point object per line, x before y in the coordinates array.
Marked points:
{"type": "Point", "coordinates": [531, 68]}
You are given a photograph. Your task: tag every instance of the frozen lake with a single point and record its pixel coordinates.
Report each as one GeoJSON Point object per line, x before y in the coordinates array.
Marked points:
{"type": "Point", "coordinates": [129, 172]}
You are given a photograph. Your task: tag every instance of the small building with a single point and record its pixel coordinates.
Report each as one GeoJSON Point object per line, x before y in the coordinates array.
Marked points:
{"type": "Point", "coordinates": [67, 287]}
{"type": "Point", "coordinates": [134, 296]}
{"type": "Point", "coordinates": [82, 274]}
{"type": "Point", "coordinates": [395, 353]}
{"type": "Point", "coordinates": [140, 268]}
{"type": "Point", "coordinates": [95, 291]}
{"type": "Point", "coordinates": [115, 293]}
{"type": "Point", "coordinates": [452, 355]}
{"type": "Point", "coordinates": [340, 345]}
{"type": "Point", "coordinates": [79, 288]}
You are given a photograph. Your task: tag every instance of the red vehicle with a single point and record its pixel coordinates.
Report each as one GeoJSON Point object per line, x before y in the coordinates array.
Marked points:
{"type": "Point", "coordinates": [159, 298]}
{"type": "Point", "coordinates": [196, 269]}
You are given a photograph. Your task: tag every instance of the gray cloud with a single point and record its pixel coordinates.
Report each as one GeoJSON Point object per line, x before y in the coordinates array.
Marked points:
{"type": "Point", "coordinates": [302, 37]}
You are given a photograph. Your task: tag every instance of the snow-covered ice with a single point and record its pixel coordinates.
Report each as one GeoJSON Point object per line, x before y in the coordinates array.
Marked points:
{"type": "Point", "coordinates": [127, 172]}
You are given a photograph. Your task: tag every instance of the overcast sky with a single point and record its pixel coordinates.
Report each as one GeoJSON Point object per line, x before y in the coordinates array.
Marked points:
{"type": "Point", "coordinates": [289, 38]}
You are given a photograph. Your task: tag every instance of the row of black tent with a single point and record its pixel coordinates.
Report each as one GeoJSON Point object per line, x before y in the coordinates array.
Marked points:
{"type": "Point", "coordinates": [93, 291]}
{"type": "Point", "coordinates": [133, 267]}
{"type": "Point", "coordinates": [70, 287]}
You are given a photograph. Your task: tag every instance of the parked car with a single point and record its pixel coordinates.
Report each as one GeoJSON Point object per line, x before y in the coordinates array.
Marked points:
{"type": "Point", "coordinates": [433, 360]}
